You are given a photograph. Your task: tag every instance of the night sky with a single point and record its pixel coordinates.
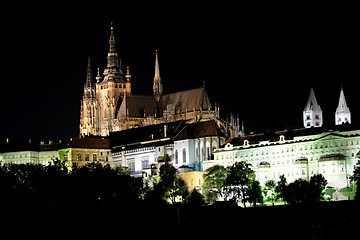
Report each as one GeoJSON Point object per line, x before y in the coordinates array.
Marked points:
{"type": "Point", "coordinates": [259, 64]}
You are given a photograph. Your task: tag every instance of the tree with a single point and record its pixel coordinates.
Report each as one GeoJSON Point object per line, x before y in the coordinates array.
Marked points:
{"type": "Point", "coordinates": [356, 177]}
{"type": "Point", "coordinates": [317, 188]}
{"type": "Point", "coordinates": [195, 199]}
{"type": "Point", "coordinates": [281, 187]}
{"type": "Point", "coordinates": [297, 192]}
{"type": "Point", "coordinates": [269, 191]}
{"type": "Point", "coordinates": [171, 184]}
{"type": "Point", "coordinates": [214, 179]}
{"type": "Point", "coordinates": [301, 191]}
{"type": "Point", "coordinates": [239, 180]}
{"type": "Point", "coordinates": [254, 193]}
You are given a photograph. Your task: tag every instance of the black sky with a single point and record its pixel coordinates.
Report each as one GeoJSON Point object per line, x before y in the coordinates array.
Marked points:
{"type": "Point", "coordinates": [257, 63]}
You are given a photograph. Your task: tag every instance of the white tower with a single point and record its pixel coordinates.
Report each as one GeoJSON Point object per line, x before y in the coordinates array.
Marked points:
{"type": "Point", "coordinates": [342, 114]}
{"type": "Point", "coordinates": [312, 114]}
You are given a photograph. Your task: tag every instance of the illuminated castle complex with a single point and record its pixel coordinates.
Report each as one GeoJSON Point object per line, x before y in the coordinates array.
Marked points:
{"type": "Point", "coordinates": [108, 104]}
{"type": "Point", "coordinates": [299, 153]}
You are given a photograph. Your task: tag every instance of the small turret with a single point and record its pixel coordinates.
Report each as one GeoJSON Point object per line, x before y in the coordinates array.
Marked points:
{"type": "Point", "coordinates": [98, 77]}
{"type": "Point", "coordinates": [128, 76]}
{"type": "Point", "coordinates": [342, 114]}
{"type": "Point", "coordinates": [312, 113]}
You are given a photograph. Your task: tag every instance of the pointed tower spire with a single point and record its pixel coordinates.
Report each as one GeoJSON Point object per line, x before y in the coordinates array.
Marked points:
{"type": "Point", "coordinates": [157, 87]}
{"type": "Point", "coordinates": [342, 114]}
{"type": "Point", "coordinates": [89, 77]}
{"type": "Point", "coordinates": [112, 42]}
{"type": "Point", "coordinates": [312, 113]}
{"type": "Point", "coordinates": [113, 70]}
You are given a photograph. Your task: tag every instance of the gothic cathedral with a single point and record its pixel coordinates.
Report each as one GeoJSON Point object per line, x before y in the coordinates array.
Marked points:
{"type": "Point", "coordinates": [108, 104]}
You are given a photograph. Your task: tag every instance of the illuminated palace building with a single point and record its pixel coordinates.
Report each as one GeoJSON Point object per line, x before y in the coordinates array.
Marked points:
{"type": "Point", "coordinates": [299, 153]}
{"type": "Point", "coordinates": [108, 105]}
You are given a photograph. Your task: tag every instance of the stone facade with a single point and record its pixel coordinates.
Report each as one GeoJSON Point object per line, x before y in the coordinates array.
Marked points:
{"type": "Point", "coordinates": [109, 104]}
{"type": "Point", "coordinates": [296, 154]}
{"type": "Point", "coordinates": [186, 146]}
{"type": "Point", "coordinates": [78, 151]}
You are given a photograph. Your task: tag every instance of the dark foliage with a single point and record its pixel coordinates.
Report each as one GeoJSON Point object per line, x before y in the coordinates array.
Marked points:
{"type": "Point", "coordinates": [54, 185]}
{"type": "Point", "coordinates": [356, 177]}
{"type": "Point", "coordinates": [301, 191]}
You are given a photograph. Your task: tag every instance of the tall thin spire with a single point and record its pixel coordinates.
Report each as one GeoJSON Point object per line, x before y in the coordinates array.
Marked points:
{"type": "Point", "coordinates": [112, 58]}
{"type": "Point", "coordinates": [113, 70]}
{"type": "Point", "coordinates": [112, 42]}
{"type": "Point", "coordinates": [342, 114]}
{"type": "Point", "coordinates": [89, 77]}
{"type": "Point", "coordinates": [157, 87]}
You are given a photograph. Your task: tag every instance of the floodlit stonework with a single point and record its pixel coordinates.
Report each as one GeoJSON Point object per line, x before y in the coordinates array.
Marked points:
{"type": "Point", "coordinates": [108, 105]}
{"type": "Point", "coordinates": [297, 154]}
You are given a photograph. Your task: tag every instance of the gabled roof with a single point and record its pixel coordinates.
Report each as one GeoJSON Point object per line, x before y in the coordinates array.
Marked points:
{"type": "Point", "coordinates": [342, 107]}
{"type": "Point", "coordinates": [186, 100]}
{"type": "Point", "coordinates": [181, 102]}
{"type": "Point", "coordinates": [199, 130]}
{"type": "Point", "coordinates": [293, 133]}
{"type": "Point", "coordinates": [312, 103]}
{"type": "Point", "coordinates": [148, 135]}
{"type": "Point", "coordinates": [88, 142]}
{"type": "Point", "coordinates": [137, 106]}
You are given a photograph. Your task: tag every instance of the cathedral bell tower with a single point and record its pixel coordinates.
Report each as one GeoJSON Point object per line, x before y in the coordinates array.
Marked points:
{"type": "Point", "coordinates": [157, 87]}
{"type": "Point", "coordinates": [88, 105]}
{"type": "Point", "coordinates": [111, 89]}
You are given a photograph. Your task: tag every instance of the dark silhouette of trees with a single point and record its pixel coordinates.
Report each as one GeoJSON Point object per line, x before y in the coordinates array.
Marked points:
{"type": "Point", "coordinates": [356, 177]}
{"type": "Point", "coordinates": [195, 199]}
{"type": "Point", "coordinates": [100, 186]}
{"type": "Point", "coordinates": [255, 193]}
{"type": "Point", "coordinates": [280, 188]}
{"type": "Point", "coordinates": [301, 191]}
{"type": "Point", "coordinates": [54, 185]}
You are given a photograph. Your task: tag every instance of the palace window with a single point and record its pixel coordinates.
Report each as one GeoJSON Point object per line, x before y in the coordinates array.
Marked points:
{"type": "Point", "coordinates": [184, 155]}
{"type": "Point", "coordinates": [94, 157]}
{"type": "Point", "coordinates": [145, 163]}
{"type": "Point", "coordinates": [131, 165]}
{"type": "Point", "coordinates": [176, 157]}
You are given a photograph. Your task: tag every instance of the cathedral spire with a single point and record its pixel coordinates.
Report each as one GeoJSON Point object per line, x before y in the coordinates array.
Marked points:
{"type": "Point", "coordinates": [112, 58]}
{"type": "Point", "coordinates": [89, 77]}
{"type": "Point", "coordinates": [342, 114]}
{"type": "Point", "coordinates": [112, 41]}
{"type": "Point", "coordinates": [157, 87]}
{"type": "Point", "coordinates": [113, 70]}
